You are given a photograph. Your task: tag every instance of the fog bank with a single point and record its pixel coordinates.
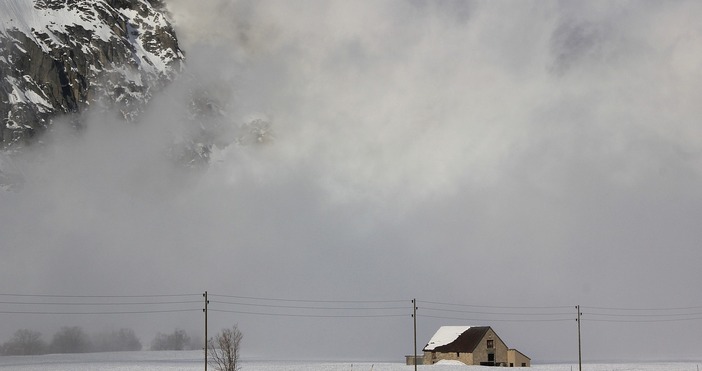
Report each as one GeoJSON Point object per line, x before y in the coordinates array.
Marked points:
{"type": "Point", "coordinates": [527, 157]}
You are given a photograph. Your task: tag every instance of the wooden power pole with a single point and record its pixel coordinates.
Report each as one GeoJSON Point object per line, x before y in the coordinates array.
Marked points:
{"type": "Point", "coordinates": [414, 317]}
{"type": "Point", "coordinates": [580, 351]}
{"type": "Point", "coordinates": [206, 341]}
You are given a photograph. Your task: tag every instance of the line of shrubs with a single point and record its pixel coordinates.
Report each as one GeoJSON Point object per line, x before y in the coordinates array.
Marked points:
{"type": "Point", "coordinates": [75, 340]}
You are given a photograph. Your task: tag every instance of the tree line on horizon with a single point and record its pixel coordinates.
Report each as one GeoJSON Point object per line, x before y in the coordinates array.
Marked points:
{"type": "Point", "coordinates": [75, 340]}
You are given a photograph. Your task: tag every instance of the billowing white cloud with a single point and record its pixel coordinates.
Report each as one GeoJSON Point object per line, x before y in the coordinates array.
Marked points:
{"type": "Point", "coordinates": [516, 154]}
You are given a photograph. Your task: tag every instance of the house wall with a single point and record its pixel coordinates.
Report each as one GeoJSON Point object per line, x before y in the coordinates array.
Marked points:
{"type": "Point", "coordinates": [516, 359]}
{"type": "Point", "coordinates": [409, 360]}
{"type": "Point", "coordinates": [432, 357]}
{"type": "Point", "coordinates": [499, 350]}
{"type": "Point", "coordinates": [429, 358]}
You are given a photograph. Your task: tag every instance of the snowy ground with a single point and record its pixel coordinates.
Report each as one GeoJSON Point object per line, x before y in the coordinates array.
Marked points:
{"type": "Point", "coordinates": [192, 360]}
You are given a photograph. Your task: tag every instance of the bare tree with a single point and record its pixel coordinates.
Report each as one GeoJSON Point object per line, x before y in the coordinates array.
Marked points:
{"type": "Point", "coordinates": [116, 341]}
{"type": "Point", "coordinates": [178, 340]}
{"type": "Point", "coordinates": [224, 350]}
{"type": "Point", "coordinates": [70, 340]}
{"type": "Point", "coordinates": [25, 342]}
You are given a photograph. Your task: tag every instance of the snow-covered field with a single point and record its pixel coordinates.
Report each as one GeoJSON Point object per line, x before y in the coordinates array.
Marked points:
{"type": "Point", "coordinates": [192, 360]}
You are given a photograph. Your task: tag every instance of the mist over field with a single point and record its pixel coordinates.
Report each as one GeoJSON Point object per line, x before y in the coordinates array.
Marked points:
{"type": "Point", "coordinates": [156, 361]}
{"type": "Point", "coordinates": [501, 162]}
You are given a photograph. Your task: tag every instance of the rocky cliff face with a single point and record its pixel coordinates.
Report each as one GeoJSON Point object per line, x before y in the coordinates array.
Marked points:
{"type": "Point", "coordinates": [62, 56]}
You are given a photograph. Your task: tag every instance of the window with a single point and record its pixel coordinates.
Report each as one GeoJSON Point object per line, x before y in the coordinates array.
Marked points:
{"type": "Point", "coordinates": [490, 344]}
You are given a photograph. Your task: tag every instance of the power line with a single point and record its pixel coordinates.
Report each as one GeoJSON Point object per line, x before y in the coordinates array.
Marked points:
{"type": "Point", "coordinates": [643, 320]}
{"type": "Point", "coordinates": [496, 307]}
{"type": "Point", "coordinates": [331, 308]}
{"type": "Point", "coordinates": [311, 315]}
{"type": "Point", "coordinates": [313, 311]}
{"type": "Point", "coordinates": [498, 319]}
{"type": "Point", "coordinates": [86, 301]}
{"type": "Point", "coordinates": [645, 309]}
{"type": "Point", "coordinates": [97, 296]}
{"type": "Point", "coordinates": [100, 313]}
{"type": "Point", "coordinates": [304, 307]}
{"type": "Point", "coordinates": [360, 308]}
{"type": "Point", "coordinates": [97, 304]}
{"type": "Point", "coordinates": [308, 301]}
{"type": "Point", "coordinates": [492, 313]}
{"type": "Point", "coordinates": [643, 315]}
{"type": "Point", "coordinates": [496, 313]}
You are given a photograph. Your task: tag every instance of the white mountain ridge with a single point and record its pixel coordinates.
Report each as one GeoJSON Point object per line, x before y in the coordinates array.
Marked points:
{"type": "Point", "coordinates": [59, 56]}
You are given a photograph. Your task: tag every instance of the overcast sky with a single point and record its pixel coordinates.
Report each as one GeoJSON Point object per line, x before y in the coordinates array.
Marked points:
{"type": "Point", "coordinates": [523, 157]}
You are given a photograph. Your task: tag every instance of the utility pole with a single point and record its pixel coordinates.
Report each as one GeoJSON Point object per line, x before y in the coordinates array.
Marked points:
{"type": "Point", "coordinates": [580, 351]}
{"type": "Point", "coordinates": [205, 310]}
{"type": "Point", "coordinates": [414, 316]}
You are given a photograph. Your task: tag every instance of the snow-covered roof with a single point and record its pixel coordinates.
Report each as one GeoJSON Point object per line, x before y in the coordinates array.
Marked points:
{"type": "Point", "coordinates": [445, 335]}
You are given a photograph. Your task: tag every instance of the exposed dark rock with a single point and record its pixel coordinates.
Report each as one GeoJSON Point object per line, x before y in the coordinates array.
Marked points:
{"type": "Point", "coordinates": [80, 53]}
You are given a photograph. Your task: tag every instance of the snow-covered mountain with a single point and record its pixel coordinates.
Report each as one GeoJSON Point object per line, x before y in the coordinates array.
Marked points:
{"type": "Point", "coordinates": [62, 56]}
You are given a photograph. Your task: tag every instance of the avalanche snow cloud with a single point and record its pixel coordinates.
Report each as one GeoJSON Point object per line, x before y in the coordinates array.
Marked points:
{"type": "Point", "coordinates": [512, 155]}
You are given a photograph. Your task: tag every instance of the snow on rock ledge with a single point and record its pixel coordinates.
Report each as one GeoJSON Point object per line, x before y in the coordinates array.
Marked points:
{"type": "Point", "coordinates": [59, 56]}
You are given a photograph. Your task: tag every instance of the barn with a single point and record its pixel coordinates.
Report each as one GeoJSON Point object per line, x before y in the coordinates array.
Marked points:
{"type": "Point", "coordinates": [472, 345]}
